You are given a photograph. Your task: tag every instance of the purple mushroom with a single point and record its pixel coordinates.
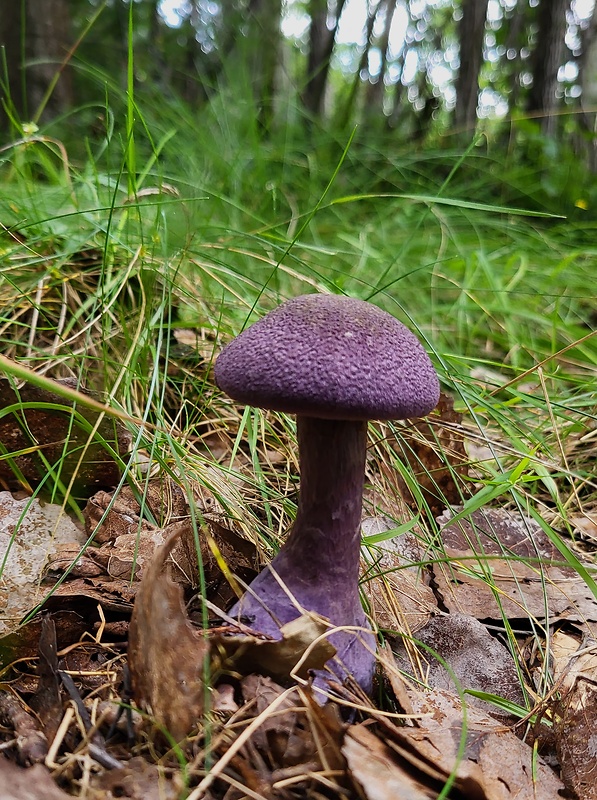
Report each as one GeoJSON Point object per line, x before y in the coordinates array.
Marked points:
{"type": "Point", "coordinates": [335, 362]}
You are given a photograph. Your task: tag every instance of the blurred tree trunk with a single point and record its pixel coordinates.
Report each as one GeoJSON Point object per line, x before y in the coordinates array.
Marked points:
{"type": "Point", "coordinates": [548, 56]}
{"type": "Point", "coordinates": [14, 94]}
{"type": "Point", "coordinates": [430, 105]}
{"type": "Point", "coordinates": [395, 96]}
{"type": "Point", "coordinates": [395, 107]}
{"type": "Point", "coordinates": [35, 35]}
{"type": "Point", "coordinates": [587, 77]}
{"type": "Point", "coordinates": [471, 32]}
{"type": "Point", "coordinates": [194, 89]}
{"type": "Point", "coordinates": [516, 40]}
{"type": "Point", "coordinates": [202, 69]}
{"type": "Point", "coordinates": [158, 67]}
{"type": "Point", "coordinates": [347, 115]}
{"type": "Point", "coordinates": [322, 34]}
{"type": "Point", "coordinates": [374, 101]}
{"type": "Point", "coordinates": [264, 41]}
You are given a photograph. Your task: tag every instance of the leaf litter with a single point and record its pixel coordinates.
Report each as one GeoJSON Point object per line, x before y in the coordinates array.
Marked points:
{"type": "Point", "coordinates": [31, 533]}
{"type": "Point", "coordinates": [45, 433]}
{"type": "Point", "coordinates": [242, 709]}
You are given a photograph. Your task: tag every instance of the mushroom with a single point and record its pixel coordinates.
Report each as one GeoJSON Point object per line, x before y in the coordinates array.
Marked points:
{"type": "Point", "coordinates": [335, 362]}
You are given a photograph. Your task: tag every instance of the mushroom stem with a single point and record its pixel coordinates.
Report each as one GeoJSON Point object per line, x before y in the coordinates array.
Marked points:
{"type": "Point", "coordinates": [324, 544]}
{"type": "Point", "coordinates": [319, 563]}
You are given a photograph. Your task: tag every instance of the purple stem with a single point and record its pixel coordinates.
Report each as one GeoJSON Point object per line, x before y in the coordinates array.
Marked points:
{"type": "Point", "coordinates": [319, 563]}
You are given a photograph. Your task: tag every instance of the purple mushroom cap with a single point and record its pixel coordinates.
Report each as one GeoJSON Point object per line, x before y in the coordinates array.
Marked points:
{"type": "Point", "coordinates": [331, 357]}
{"type": "Point", "coordinates": [335, 362]}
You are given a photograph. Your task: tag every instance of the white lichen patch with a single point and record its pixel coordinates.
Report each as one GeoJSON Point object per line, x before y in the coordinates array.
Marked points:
{"type": "Point", "coordinates": [30, 534]}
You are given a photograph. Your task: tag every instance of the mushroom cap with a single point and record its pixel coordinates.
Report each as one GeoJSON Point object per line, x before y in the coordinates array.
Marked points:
{"type": "Point", "coordinates": [332, 357]}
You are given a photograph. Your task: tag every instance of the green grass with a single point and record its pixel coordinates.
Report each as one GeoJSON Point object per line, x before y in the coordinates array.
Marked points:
{"type": "Point", "coordinates": [99, 266]}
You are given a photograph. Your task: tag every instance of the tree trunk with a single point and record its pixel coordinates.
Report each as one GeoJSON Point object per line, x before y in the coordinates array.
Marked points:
{"type": "Point", "coordinates": [321, 46]}
{"type": "Point", "coordinates": [375, 91]}
{"type": "Point", "coordinates": [517, 39]}
{"type": "Point", "coordinates": [547, 59]}
{"type": "Point", "coordinates": [43, 28]}
{"type": "Point", "coordinates": [347, 114]}
{"type": "Point", "coordinates": [263, 41]}
{"type": "Point", "coordinates": [471, 32]}
{"type": "Point", "coordinates": [395, 96]}
{"type": "Point", "coordinates": [587, 69]}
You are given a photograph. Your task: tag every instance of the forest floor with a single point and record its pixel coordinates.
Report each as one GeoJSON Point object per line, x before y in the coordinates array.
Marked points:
{"type": "Point", "coordinates": [480, 522]}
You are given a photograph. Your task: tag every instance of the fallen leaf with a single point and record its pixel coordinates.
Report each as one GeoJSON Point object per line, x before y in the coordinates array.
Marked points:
{"type": "Point", "coordinates": [277, 738]}
{"type": "Point", "coordinates": [300, 739]}
{"type": "Point", "coordinates": [127, 542]}
{"type": "Point", "coordinates": [109, 574]}
{"type": "Point", "coordinates": [194, 344]}
{"type": "Point", "coordinates": [499, 563]}
{"type": "Point", "coordinates": [278, 659]}
{"type": "Point", "coordinates": [575, 727]}
{"type": "Point", "coordinates": [108, 516]}
{"type": "Point", "coordinates": [434, 450]}
{"type": "Point", "coordinates": [128, 555]}
{"type": "Point", "coordinates": [376, 769]}
{"type": "Point", "coordinates": [400, 599]}
{"type": "Point", "coordinates": [136, 780]}
{"type": "Point", "coordinates": [30, 533]}
{"type": "Point", "coordinates": [467, 653]}
{"type": "Point", "coordinates": [23, 642]}
{"type": "Point", "coordinates": [494, 756]}
{"type": "Point", "coordinates": [69, 559]}
{"type": "Point", "coordinates": [585, 525]}
{"type": "Point", "coordinates": [487, 760]}
{"type": "Point", "coordinates": [167, 655]}
{"type": "Point", "coordinates": [33, 783]}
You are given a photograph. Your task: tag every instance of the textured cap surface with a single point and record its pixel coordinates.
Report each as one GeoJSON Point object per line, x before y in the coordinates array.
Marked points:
{"type": "Point", "coordinates": [333, 357]}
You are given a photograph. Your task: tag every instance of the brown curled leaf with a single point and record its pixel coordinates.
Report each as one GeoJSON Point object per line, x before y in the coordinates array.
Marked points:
{"type": "Point", "coordinates": [166, 653]}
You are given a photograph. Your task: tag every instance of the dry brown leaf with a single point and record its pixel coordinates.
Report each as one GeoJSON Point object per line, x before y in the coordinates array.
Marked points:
{"type": "Point", "coordinates": [494, 756]}
{"type": "Point", "coordinates": [129, 555]}
{"type": "Point", "coordinates": [69, 559]}
{"type": "Point", "coordinates": [166, 653]}
{"type": "Point", "coordinates": [300, 739]}
{"type": "Point", "coordinates": [47, 431]}
{"type": "Point", "coordinates": [136, 780]}
{"type": "Point", "coordinates": [23, 642]}
{"type": "Point", "coordinates": [468, 653]}
{"type": "Point", "coordinates": [107, 517]}
{"type": "Point", "coordinates": [575, 727]}
{"type": "Point", "coordinates": [34, 783]}
{"type": "Point", "coordinates": [495, 764]}
{"type": "Point", "coordinates": [109, 574]}
{"type": "Point", "coordinates": [569, 651]}
{"type": "Point", "coordinates": [283, 738]}
{"type": "Point", "coordinates": [400, 599]}
{"type": "Point", "coordinates": [30, 533]}
{"type": "Point", "coordinates": [436, 455]}
{"type": "Point", "coordinates": [198, 345]}
{"type": "Point", "coordinates": [515, 554]}
{"type": "Point", "coordinates": [244, 653]}
{"type": "Point", "coordinates": [83, 595]}
{"type": "Point", "coordinates": [585, 525]}
{"type": "Point", "coordinates": [128, 542]}
{"type": "Point", "coordinates": [376, 769]}
{"type": "Point", "coordinates": [509, 772]}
